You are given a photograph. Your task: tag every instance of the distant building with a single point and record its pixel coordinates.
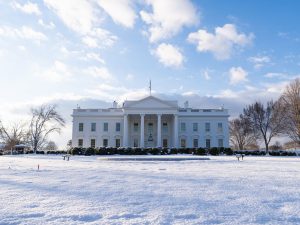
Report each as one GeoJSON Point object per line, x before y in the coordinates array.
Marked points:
{"type": "Point", "coordinates": [150, 122]}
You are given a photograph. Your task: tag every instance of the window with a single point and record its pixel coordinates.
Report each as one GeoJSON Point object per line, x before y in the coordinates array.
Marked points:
{"type": "Point", "coordinates": [220, 143]}
{"type": "Point", "coordinates": [80, 142]}
{"type": "Point", "coordinates": [93, 127]}
{"type": "Point", "coordinates": [93, 143]}
{"type": "Point", "coordinates": [195, 127]}
{"type": "Point", "coordinates": [165, 143]}
{"type": "Point", "coordinates": [150, 128]}
{"type": "Point", "coordinates": [165, 127]}
{"type": "Point", "coordinates": [195, 143]}
{"type": "Point", "coordinates": [207, 127]}
{"type": "Point", "coordinates": [118, 143]}
{"type": "Point", "coordinates": [220, 127]}
{"type": "Point", "coordinates": [135, 127]}
{"type": "Point", "coordinates": [135, 143]}
{"type": "Point", "coordinates": [182, 143]}
{"type": "Point", "coordinates": [118, 127]}
{"type": "Point", "coordinates": [182, 127]}
{"type": "Point", "coordinates": [105, 127]}
{"type": "Point", "coordinates": [105, 142]}
{"type": "Point", "coordinates": [80, 127]}
{"type": "Point", "coordinates": [207, 143]}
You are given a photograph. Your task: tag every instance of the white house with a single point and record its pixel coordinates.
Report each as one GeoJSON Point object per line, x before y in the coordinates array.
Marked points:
{"type": "Point", "coordinates": [150, 122]}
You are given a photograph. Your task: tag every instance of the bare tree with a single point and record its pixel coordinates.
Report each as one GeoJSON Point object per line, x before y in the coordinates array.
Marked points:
{"type": "Point", "coordinates": [45, 120]}
{"type": "Point", "coordinates": [241, 134]}
{"type": "Point", "coordinates": [267, 120]}
{"type": "Point", "coordinates": [13, 135]}
{"type": "Point", "coordinates": [290, 100]}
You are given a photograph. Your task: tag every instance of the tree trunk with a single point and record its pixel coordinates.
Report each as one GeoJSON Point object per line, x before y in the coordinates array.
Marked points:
{"type": "Point", "coordinates": [267, 147]}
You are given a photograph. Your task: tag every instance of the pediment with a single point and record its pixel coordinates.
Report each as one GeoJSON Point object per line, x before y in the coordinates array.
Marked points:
{"type": "Point", "coordinates": [151, 102]}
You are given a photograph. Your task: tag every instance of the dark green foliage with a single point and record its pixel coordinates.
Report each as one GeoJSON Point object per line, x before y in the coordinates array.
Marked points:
{"type": "Point", "coordinates": [56, 152]}
{"type": "Point", "coordinates": [154, 151]}
{"type": "Point", "coordinates": [200, 151]}
{"type": "Point", "coordinates": [227, 151]}
{"type": "Point", "coordinates": [173, 151]}
{"type": "Point", "coordinates": [77, 151]}
{"type": "Point", "coordinates": [214, 151]}
{"type": "Point", "coordinates": [89, 151]}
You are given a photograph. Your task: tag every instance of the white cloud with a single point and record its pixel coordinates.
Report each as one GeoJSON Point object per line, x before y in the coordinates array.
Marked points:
{"type": "Point", "coordinates": [259, 61]}
{"type": "Point", "coordinates": [237, 75]}
{"type": "Point", "coordinates": [57, 73]}
{"type": "Point", "coordinates": [129, 76]}
{"type": "Point", "coordinates": [275, 89]}
{"type": "Point", "coordinates": [227, 93]}
{"type": "Point", "coordinates": [206, 74]}
{"type": "Point", "coordinates": [94, 56]}
{"type": "Point", "coordinates": [24, 32]}
{"type": "Point", "coordinates": [99, 38]}
{"type": "Point", "coordinates": [22, 48]}
{"type": "Point", "coordinates": [222, 43]}
{"type": "Point", "coordinates": [168, 55]}
{"type": "Point", "coordinates": [51, 25]}
{"type": "Point", "coordinates": [29, 7]}
{"type": "Point", "coordinates": [121, 11]}
{"type": "Point", "coordinates": [277, 75]}
{"type": "Point", "coordinates": [79, 17]}
{"type": "Point", "coordinates": [99, 72]}
{"type": "Point", "coordinates": [168, 17]}
{"type": "Point", "coordinates": [118, 93]}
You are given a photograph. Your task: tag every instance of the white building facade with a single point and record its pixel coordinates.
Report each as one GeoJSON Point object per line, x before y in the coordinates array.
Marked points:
{"type": "Point", "coordinates": [150, 122]}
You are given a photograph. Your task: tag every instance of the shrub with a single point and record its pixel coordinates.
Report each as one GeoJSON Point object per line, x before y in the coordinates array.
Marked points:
{"type": "Point", "coordinates": [228, 151]}
{"type": "Point", "coordinates": [222, 150]}
{"type": "Point", "coordinates": [292, 154]}
{"type": "Point", "coordinates": [77, 151]}
{"type": "Point", "coordinates": [89, 151]}
{"type": "Point", "coordinates": [154, 151]}
{"type": "Point", "coordinates": [214, 151]}
{"type": "Point", "coordinates": [200, 151]}
{"type": "Point", "coordinates": [173, 151]}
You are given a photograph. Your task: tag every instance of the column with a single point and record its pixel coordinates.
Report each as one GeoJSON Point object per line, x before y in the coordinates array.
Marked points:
{"type": "Point", "coordinates": [125, 131]}
{"type": "Point", "coordinates": [142, 141]}
{"type": "Point", "coordinates": [158, 130]}
{"type": "Point", "coordinates": [175, 130]}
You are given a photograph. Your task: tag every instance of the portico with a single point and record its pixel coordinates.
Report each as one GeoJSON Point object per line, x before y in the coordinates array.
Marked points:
{"type": "Point", "coordinates": [150, 130]}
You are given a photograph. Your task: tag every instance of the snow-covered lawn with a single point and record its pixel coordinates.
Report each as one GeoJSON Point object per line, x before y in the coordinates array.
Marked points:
{"type": "Point", "coordinates": [86, 190]}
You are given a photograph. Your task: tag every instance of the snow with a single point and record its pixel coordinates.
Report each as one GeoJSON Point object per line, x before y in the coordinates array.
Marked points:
{"type": "Point", "coordinates": [88, 190]}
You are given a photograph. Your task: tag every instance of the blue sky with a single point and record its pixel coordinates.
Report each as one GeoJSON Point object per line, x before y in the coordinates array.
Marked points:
{"type": "Point", "coordinates": [92, 52]}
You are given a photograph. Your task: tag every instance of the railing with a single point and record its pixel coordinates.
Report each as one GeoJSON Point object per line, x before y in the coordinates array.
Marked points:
{"type": "Point", "coordinates": [203, 110]}
{"type": "Point", "coordinates": [97, 110]}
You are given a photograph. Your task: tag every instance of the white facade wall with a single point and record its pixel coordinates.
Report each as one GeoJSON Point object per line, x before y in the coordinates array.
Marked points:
{"type": "Point", "coordinates": [151, 108]}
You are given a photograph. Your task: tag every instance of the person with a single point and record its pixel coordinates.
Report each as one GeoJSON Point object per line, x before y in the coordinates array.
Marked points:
{"type": "Point", "coordinates": [242, 156]}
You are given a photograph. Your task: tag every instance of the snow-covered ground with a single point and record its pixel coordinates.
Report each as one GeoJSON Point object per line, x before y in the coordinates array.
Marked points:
{"type": "Point", "coordinates": [86, 190]}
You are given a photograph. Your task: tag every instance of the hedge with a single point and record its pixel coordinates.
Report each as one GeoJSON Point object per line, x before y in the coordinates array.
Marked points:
{"type": "Point", "coordinates": [149, 151]}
